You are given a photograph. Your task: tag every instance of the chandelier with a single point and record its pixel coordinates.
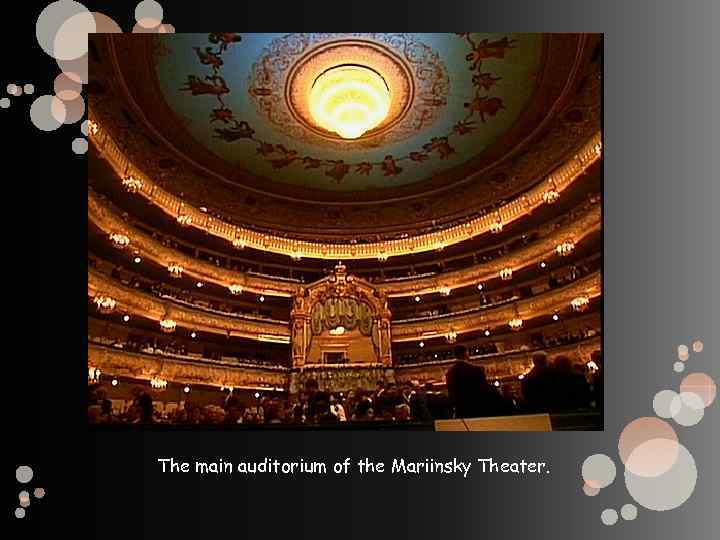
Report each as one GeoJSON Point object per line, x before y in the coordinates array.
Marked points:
{"type": "Point", "coordinates": [132, 184]}
{"type": "Point", "coordinates": [175, 270]}
{"type": "Point", "coordinates": [382, 257]}
{"type": "Point", "coordinates": [168, 326]}
{"type": "Point", "coordinates": [296, 256]}
{"type": "Point", "coordinates": [550, 196]}
{"type": "Point", "coordinates": [598, 148]}
{"type": "Point", "coordinates": [580, 303]}
{"type": "Point", "coordinates": [238, 243]}
{"type": "Point", "coordinates": [235, 288]}
{"type": "Point", "coordinates": [105, 304]}
{"type": "Point", "coordinates": [451, 336]}
{"type": "Point", "coordinates": [184, 219]}
{"type": "Point", "coordinates": [565, 248]}
{"type": "Point", "coordinates": [158, 384]}
{"type": "Point", "coordinates": [94, 374]}
{"type": "Point", "coordinates": [496, 226]}
{"type": "Point", "coordinates": [445, 290]}
{"type": "Point", "coordinates": [349, 100]}
{"type": "Point", "coordinates": [515, 324]}
{"type": "Point", "coordinates": [93, 128]}
{"type": "Point", "coordinates": [119, 240]}
{"type": "Point", "coordinates": [506, 274]}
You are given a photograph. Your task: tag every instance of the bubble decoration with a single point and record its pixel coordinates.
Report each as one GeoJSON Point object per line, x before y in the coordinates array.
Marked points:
{"type": "Point", "coordinates": [14, 90]}
{"type": "Point", "coordinates": [140, 29]}
{"type": "Point", "coordinates": [629, 512]}
{"type": "Point", "coordinates": [67, 88]}
{"type": "Point", "coordinates": [75, 110]}
{"type": "Point", "coordinates": [105, 24]}
{"type": "Point", "coordinates": [148, 14]}
{"type": "Point", "coordinates": [47, 113]}
{"type": "Point", "coordinates": [84, 128]}
{"type": "Point", "coordinates": [648, 446]}
{"type": "Point", "coordinates": [166, 29]}
{"type": "Point", "coordinates": [609, 516]}
{"type": "Point", "coordinates": [701, 384]}
{"type": "Point", "coordinates": [23, 474]}
{"type": "Point", "coordinates": [678, 367]}
{"type": "Point", "coordinates": [80, 145]}
{"type": "Point", "coordinates": [19, 513]}
{"type": "Point", "coordinates": [62, 29]}
{"type": "Point", "coordinates": [39, 493]}
{"type": "Point", "coordinates": [697, 346]}
{"type": "Point", "coordinates": [4, 103]}
{"type": "Point", "coordinates": [24, 498]}
{"type": "Point", "coordinates": [598, 471]}
{"type": "Point", "coordinates": [666, 491]}
{"type": "Point", "coordinates": [683, 353]}
{"type": "Point", "coordinates": [662, 401]}
{"type": "Point", "coordinates": [29, 88]}
{"type": "Point", "coordinates": [590, 491]}
{"type": "Point", "coordinates": [76, 69]}
{"type": "Point", "coordinates": [687, 409]}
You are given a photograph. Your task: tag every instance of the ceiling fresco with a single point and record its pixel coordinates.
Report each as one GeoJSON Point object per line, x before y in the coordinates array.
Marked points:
{"type": "Point", "coordinates": [241, 96]}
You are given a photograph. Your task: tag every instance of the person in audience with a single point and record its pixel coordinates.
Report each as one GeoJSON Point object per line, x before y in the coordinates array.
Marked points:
{"type": "Point", "coordinates": [337, 409]}
{"type": "Point", "coordinates": [323, 414]}
{"type": "Point", "coordinates": [570, 390]}
{"type": "Point", "coordinates": [364, 411]}
{"type": "Point", "coordinates": [537, 385]}
{"type": "Point", "coordinates": [469, 391]}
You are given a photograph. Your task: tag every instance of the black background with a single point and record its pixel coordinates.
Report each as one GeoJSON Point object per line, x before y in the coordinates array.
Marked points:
{"type": "Point", "coordinates": [661, 262]}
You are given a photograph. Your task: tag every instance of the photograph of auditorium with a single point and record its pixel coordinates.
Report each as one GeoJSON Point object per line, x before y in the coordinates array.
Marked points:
{"type": "Point", "coordinates": [346, 231]}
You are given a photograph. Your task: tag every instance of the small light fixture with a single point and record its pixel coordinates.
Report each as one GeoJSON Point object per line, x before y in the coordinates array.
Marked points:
{"type": "Point", "coordinates": [487, 333]}
{"type": "Point", "coordinates": [186, 389]}
{"type": "Point", "coordinates": [126, 317]}
{"type": "Point", "coordinates": [114, 382]}
{"type": "Point", "coordinates": [556, 317]}
{"type": "Point", "coordinates": [543, 265]}
{"type": "Point", "coordinates": [137, 260]}
{"type": "Point", "coordinates": [105, 304]}
{"type": "Point", "coordinates": [261, 299]}
{"type": "Point", "coordinates": [515, 324]}
{"type": "Point", "coordinates": [257, 395]}
{"type": "Point", "coordinates": [421, 344]}
{"type": "Point", "coordinates": [184, 220]}
{"type": "Point", "coordinates": [417, 298]}
{"type": "Point", "coordinates": [175, 270]}
{"type": "Point", "coordinates": [506, 274]}
{"type": "Point", "coordinates": [580, 303]}
{"type": "Point", "coordinates": [119, 240]}
{"type": "Point", "coordinates": [193, 335]}
{"type": "Point", "coordinates": [235, 288]}
{"type": "Point", "coordinates": [497, 383]}
{"type": "Point", "coordinates": [168, 326]}
{"type": "Point", "coordinates": [199, 284]}
{"type": "Point", "coordinates": [480, 287]}
{"type": "Point", "coordinates": [565, 248]}
{"type": "Point", "coordinates": [445, 290]}
{"type": "Point", "coordinates": [132, 184]}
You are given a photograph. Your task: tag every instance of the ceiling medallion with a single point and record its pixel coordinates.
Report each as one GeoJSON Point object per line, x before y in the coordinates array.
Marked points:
{"type": "Point", "coordinates": [365, 79]}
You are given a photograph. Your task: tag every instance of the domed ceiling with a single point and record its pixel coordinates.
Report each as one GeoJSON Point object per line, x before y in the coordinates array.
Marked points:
{"type": "Point", "coordinates": [243, 100]}
{"type": "Point", "coordinates": [230, 127]}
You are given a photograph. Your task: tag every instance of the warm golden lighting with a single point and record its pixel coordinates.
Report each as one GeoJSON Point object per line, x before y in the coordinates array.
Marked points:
{"type": "Point", "coordinates": [94, 374]}
{"type": "Point", "coordinates": [515, 324]}
{"type": "Point", "coordinates": [445, 290]}
{"type": "Point", "coordinates": [565, 248]}
{"type": "Point", "coordinates": [105, 304]}
{"type": "Point", "coordinates": [580, 303]}
{"type": "Point", "coordinates": [451, 336]}
{"type": "Point", "coordinates": [506, 274]}
{"type": "Point", "coordinates": [349, 100]}
{"type": "Point", "coordinates": [184, 219]}
{"type": "Point", "coordinates": [175, 270]}
{"type": "Point", "coordinates": [550, 196]}
{"type": "Point", "coordinates": [119, 240]}
{"type": "Point", "coordinates": [168, 326]}
{"type": "Point", "coordinates": [158, 384]}
{"type": "Point", "coordinates": [132, 184]}
{"type": "Point", "coordinates": [496, 227]}
{"type": "Point", "coordinates": [235, 288]}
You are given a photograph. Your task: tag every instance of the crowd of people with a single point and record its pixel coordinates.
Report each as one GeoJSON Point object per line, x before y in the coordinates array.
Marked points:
{"type": "Point", "coordinates": [555, 386]}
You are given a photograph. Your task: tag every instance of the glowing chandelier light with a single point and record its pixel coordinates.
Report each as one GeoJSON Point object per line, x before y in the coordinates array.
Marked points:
{"type": "Point", "coordinates": [184, 219]}
{"type": "Point", "coordinates": [451, 336]}
{"type": "Point", "coordinates": [580, 303]}
{"type": "Point", "coordinates": [445, 290]}
{"type": "Point", "coordinates": [105, 304]}
{"type": "Point", "coordinates": [506, 274]}
{"type": "Point", "coordinates": [235, 288]}
{"type": "Point", "coordinates": [158, 384]}
{"type": "Point", "coordinates": [349, 100]}
{"type": "Point", "coordinates": [550, 196]}
{"type": "Point", "coordinates": [168, 326]}
{"type": "Point", "coordinates": [94, 374]}
{"type": "Point", "coordinates": [565, 248]}
{"type": "Point", "coordinates": [132, 184]}
{"type": "Point", "coordinates": [119, 240]}
{"type": "Point", "coordinates": [175, 270]}
{"type": "Point", "coordinates": [515, 324]}
{"type": "Point", "coordinates": [238, 243]}
{"type": "Point", "coordinates": [496, 227]}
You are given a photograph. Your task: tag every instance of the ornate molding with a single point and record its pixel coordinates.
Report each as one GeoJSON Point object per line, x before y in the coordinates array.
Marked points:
{"type": "Point", "coordinates": [153, 308]}
{"type": "Point", "coordinates": [174, 206]}
{"type": "Point", "coordinates": [543, 304]}
{"type": "Point", "coordinates": [501, 366]}
{"type": "Point", "coordinates": [145, 366]}
{"type": "Point", "coordinates": [107, 221]}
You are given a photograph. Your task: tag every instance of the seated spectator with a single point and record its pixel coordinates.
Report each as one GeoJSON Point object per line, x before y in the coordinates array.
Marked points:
{"type": "Point", "coordinates": [537, 386]}
{"type": "Point", "coordinates": [471, 394]}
